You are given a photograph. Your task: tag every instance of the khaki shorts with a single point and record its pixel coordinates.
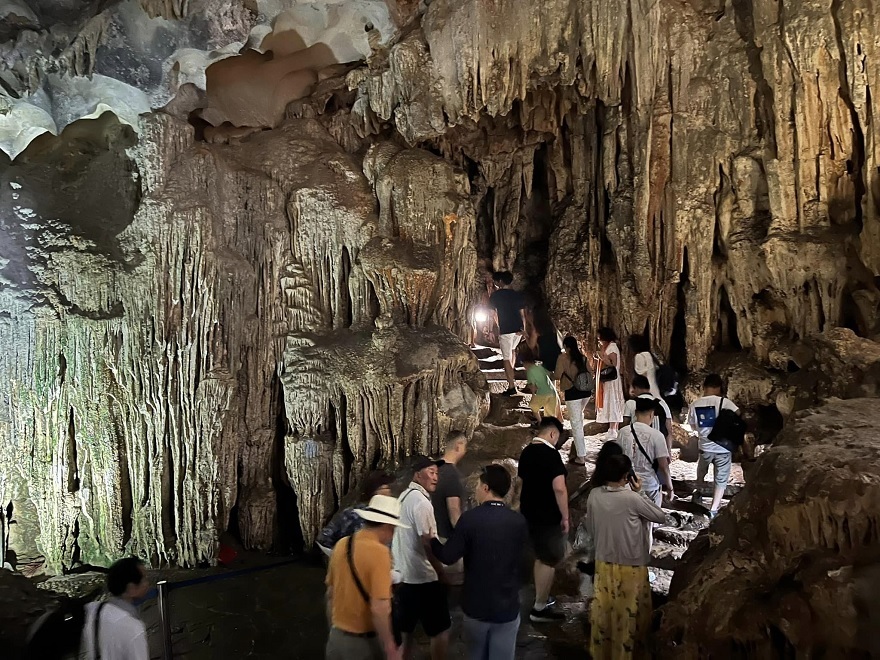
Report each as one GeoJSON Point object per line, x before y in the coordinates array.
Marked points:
{"type": "Point", "coordinates": [549, 402]}
{"type": "Point", "coordinates": [508, 344]}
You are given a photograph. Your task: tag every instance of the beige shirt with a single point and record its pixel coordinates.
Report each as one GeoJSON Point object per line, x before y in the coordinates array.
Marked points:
{"type": "Point", "coordinates": [617, 518]}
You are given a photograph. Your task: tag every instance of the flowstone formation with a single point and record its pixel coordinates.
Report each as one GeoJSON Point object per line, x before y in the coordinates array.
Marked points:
{"type": "Point", "coordinates": [148, 363]}
{"type": "Point", "coordinates": [249, 272]}
{"type": "Point", "coordinates": [792, 566]}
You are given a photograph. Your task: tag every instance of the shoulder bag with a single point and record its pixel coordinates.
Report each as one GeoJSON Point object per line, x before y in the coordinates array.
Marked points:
{"type": "Point", "coordinates": [655, 464]}
{"type": "Point", "coordinates": [357, 580]}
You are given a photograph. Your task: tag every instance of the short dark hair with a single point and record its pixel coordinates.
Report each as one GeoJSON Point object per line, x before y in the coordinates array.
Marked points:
{"type": "Point", "coordinates": [644, 404]}
{"type": "Point", "coordinates": [607, 334]}
{"type": "Point", "coordinates": [453, 437]}
{"type": "Point", "coordinates": [549, 422]}
{"type": "Point", "coordinates": [617, 468]}
{"type": "Point", "coordinates": [713, 380]}
{"type": "Point", "coordinates": [123, 573]}
{"type": "Point", "coordinates": [505, 277]}
{"type": "Point", "coordinates": [639, 344]}
{"type": "Point", "coordinates": [497, 478]}
{"type": "Point", "coordinates": [373, 482]}
{"type": "Point", "coordinates": [526, 354]}
{"type": "Point", "coordinates": [641, 382]}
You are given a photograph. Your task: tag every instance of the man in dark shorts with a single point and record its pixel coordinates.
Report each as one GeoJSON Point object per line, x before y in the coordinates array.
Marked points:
{"type": "Point", "coordinates": [544, 503]}
{"type": "Point", "coordinates": [421, 596]}
{"type": "Point", "coordinates": [508, 305]}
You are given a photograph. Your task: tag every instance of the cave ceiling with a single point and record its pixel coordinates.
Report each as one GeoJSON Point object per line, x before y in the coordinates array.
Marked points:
{"type": "Point", "coordinates": [64, 60]}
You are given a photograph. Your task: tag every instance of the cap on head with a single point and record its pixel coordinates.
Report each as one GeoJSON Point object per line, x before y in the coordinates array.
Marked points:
{"type": "Point", "coordinates": [420, 462]}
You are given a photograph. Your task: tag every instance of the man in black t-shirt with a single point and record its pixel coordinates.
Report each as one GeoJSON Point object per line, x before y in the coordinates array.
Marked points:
{"type": "Point", "coordinates": [449, 497]}
{"type": "Point", "coordinates": [508, 305]}
{"type": "Point", "coordinates": [544, 503]}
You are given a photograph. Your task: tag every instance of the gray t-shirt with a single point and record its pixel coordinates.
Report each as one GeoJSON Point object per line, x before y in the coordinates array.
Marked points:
{"type": "Point", "coordinates": [654, 445]}
{"type": "Point", "coordinates": [617, 519]}
{"type": "Point", "coordinates": [449, 484]}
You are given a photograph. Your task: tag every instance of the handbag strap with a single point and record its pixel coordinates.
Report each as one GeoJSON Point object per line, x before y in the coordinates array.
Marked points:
{"type": "Point", "coordinates": [641, 449]}
{"type": "Point", "coordinates": [96, 625]}
{"type": "Point", "coordinates": [357, 580]}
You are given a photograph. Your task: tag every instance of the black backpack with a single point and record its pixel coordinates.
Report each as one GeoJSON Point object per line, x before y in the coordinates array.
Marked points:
{"type": "Point", "coordinates": [57, 635]}
{"type": "Point", "coordinates": [667, 378]}
{"type": "Point", "coordinates": [729, 430]}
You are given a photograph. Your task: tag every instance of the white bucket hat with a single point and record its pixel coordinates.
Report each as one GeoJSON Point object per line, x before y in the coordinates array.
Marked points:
{"type": "Point", "coordinates": [382, 509]}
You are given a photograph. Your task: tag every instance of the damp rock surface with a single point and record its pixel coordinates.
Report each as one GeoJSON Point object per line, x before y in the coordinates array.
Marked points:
{"type": "Point", "coordinates": [791, 565]}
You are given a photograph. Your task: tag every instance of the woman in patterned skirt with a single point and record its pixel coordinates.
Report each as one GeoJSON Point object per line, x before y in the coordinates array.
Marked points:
{"type": "Point", "coordinates": [610, 405]}
{"type": "Point", "coordinates": [617, 518]}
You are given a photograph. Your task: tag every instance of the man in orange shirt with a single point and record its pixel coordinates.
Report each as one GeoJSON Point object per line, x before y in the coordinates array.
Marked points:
{"type": "Point", "coordinates": [359, 587]}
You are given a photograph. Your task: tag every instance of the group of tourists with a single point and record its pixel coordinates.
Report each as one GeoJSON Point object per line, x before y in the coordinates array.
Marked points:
{"type": "Point", "coordinates": [426, 540]}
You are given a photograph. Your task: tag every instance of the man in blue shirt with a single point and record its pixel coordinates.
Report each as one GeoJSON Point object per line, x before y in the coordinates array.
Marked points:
{"type": "Point", "coordinates": [491, 538]}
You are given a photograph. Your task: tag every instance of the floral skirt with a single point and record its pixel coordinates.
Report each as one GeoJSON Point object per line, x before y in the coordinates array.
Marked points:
{"type": "Point", "coordinates": [620, 615]}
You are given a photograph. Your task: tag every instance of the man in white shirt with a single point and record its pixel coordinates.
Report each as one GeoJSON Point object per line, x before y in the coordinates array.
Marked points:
{"type": "Point", "coordinates": [701, 416]}
{"type": "Point", "coordinates": [641, 388]}
{"type": "Point", "coordinates": [421, 597]}
{"type": "Point", "coordinates": [644, 445]}
{"type": "Point", "coordinates": [120, 632]}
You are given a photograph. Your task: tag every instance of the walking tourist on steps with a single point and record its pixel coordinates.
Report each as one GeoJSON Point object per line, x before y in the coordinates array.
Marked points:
{"type": "Point", "coordinates": [701, 416]}
{"type": "Point", "coordinates": [449, 498]}
{"type": "Point", "coordinates": [643, 362]}
{"type": "Point", "coordinates": [359, 587]}
{"type": "Point", "coordinates": [491, 539]}
{"type": "Point", "coordinates": [116, 623]}
{"type": "Point", "coordinates": [620, 615]}
{"type": "Point", "coordinates": [662, 415]}
{"type": "Point", "coordinates": [610, 405]}
{"type": "Point", "coordinates": [646, 448]}
{"type": "Point", "coordinates": [421, 596]}
{"type": "Point", "coordinates": [540, 384]}
{"type": "Point", "coordinates": [347, 522]}
{"type": "Point", "coordinates": [545, 340]}
{"type": "Point", "coordinates": [508, 305]}
{"type": "Point", "coordinates": [544, 503]}
{"type": "Point", "coordinates": [569, 366]}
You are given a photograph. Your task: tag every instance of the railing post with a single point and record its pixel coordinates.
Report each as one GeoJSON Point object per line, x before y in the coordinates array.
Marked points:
{"type": "Point", "coordinates": [165, 620]}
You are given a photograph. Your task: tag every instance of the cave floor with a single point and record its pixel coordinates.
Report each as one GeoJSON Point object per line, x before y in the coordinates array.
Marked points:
{"type": "Point", "coordinates": [278, 613]}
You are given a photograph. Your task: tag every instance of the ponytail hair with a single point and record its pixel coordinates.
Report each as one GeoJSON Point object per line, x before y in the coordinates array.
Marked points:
{"type": "Point", "coordinates": [575, 352]}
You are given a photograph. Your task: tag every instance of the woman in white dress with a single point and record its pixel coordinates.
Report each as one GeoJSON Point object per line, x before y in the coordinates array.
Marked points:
{"type": "Point", "coordinates": [644, 362]}
{"type": "Point", "coordinates": [611, 411]}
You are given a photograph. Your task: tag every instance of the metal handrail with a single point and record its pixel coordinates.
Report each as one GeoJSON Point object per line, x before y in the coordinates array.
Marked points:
{"type": "Point", "coordinates": [163, 590]}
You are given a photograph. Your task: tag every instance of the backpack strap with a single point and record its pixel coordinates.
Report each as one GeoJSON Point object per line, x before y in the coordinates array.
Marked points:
{"type": "Point", "coordinates": [96, 625]}
{"type": "Point", "coordinates": [641, 449]}
{"type": "Point", "coordinates": [357, 580]}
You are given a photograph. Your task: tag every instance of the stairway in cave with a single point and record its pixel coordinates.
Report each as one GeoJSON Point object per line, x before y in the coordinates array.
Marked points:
{"type": "Point", "coordinates": [506, 430]}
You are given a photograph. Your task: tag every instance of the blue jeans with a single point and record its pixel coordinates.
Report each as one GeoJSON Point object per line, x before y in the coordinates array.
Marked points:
{"type": "Point", "coordinates": [490, 641]}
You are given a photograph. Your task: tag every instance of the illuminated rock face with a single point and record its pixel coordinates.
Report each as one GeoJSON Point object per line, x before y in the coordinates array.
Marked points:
{"type": "Point", "coordinates": [253, 276]}
{"type": "Point", "coordinates": [791, 564]}
{"type": "Point", "coordinates": [149, 360]}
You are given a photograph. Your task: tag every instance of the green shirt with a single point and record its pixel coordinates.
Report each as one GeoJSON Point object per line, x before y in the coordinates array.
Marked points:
{"type": "Point", "coordinates": [541, 379]}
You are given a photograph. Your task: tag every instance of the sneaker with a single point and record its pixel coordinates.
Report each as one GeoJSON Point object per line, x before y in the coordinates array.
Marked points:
{"type": "Point", "coordinates": [551, 601]}
{"type": "Point", "coordinates": [547, 615]}
{"type": "Point", "coordinates": [509, 391]}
